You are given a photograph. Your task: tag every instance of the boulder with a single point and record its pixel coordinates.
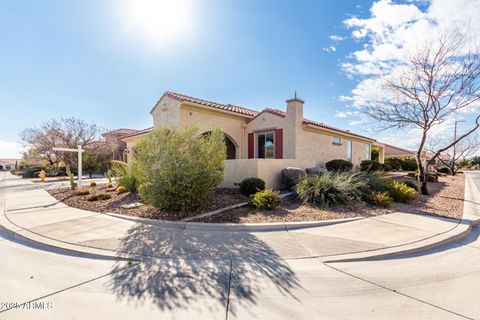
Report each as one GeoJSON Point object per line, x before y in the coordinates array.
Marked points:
{"type": "Point", "coordinates": [316, 170]}
{"type": "Point", "coordinates": [291, 176]}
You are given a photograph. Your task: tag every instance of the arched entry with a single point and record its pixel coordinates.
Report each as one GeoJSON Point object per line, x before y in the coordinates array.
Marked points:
{"type": "Point", "coordinates": [231, 148]}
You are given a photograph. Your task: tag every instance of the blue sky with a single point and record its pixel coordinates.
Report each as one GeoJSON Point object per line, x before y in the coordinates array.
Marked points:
{"type": "Point", "coordinates": [90, 60]}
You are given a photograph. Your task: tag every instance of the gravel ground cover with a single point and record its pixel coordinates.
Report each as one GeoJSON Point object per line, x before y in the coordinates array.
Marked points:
{"type": "Point", "coordinates": [445, 199]}
{"type": "Point", "coordinates": [220, 198]}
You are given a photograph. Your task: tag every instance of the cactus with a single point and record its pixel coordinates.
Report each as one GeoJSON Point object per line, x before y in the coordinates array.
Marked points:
{"type": "Point", "coordinates": [73, 184]}
{"type": "Point", "coordinates": [108, 175]}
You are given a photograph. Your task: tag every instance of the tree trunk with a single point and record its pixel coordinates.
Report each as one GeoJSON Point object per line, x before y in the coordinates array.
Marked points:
{"type": "Point", "coordinates": [422, 171]}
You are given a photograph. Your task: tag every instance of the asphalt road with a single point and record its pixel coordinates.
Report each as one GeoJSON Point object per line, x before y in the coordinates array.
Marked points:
{"type": "Point", "coordinates": [438, 284]}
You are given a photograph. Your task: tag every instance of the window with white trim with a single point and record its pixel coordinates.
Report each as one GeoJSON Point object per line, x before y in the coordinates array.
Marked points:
{"type": "Point", "coordinates": [368, 152]}
{"type": "Point", "coordinates": [266, 145]}
{"type": "Point", "coordinates": [349, 150]}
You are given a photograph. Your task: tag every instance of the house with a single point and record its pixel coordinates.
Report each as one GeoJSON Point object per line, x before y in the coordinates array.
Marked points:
{"type": "Point", "coordinates": [260, 143]}
{"type": "Point", "coordinates": [10, 164]}
{"type": "Point", "coordinates": [393, 151]}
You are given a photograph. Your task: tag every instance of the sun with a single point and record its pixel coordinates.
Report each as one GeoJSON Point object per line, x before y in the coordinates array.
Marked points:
{"type": "Point", "coordinates": [159, 21]}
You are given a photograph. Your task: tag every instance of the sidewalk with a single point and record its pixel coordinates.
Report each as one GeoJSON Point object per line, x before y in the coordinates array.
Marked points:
{"type": "Point", "coordinates": [30, 212]}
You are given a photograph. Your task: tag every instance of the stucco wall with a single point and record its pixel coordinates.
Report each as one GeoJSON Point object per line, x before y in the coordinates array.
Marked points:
{"type": "Point", "coordinates": [166, 113]}
{"type": "Point", "coordinates": [266, 169]}
{"type": "Point", "coordinates": [317, 147]}
{"type": "Point", "coordinates": [206, 120]}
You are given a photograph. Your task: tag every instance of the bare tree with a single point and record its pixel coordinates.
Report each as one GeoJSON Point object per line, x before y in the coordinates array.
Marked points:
{"type": "Point", "coordinates": [463, 149]}
{"type": "Point", "coordinates": [435, 82]}
{"type": "Point", "coordinates": [65, 132]}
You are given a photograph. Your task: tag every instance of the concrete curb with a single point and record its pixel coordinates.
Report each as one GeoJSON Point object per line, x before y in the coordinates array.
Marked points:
{"type": "Point", "coordinates": [471, 218]}
{"type": "Point", "coordinates": [252, 227]}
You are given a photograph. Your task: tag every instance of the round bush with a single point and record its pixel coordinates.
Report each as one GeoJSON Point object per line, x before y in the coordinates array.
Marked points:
{"type": "Point", "coordinates": [411, 184]}
{"type": "Point", "coordinates": [400, 192]}
{"type": "Point", "coordinates": [101, 196]}
{"type": "Point", "coordinates": [371, 166]}
{"type": "Point", "coordinates": [381, 199]}
{"type": "Point", "coordinates": [179, 169]}
{"type": "Point", "coordinates": [444, 169]}
{"type": "Point", "coordinates": [266, 199]}
{"type": "Point", "coordinates": [250, 186]}
{"type": "Point", "coordinates": [93, 184]}
{"type": "Point", "coordinates": [83, 192]}
{"type": "Point", "coordinates": [339, 165]}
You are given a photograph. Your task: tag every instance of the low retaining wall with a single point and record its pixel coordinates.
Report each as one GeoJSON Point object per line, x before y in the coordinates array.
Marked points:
{"type": "Point", "coordinates": [265, 169]}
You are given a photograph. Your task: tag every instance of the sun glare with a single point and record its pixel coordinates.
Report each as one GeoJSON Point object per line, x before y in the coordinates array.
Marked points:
{"type": "Point", "coordinates": [159, 20]}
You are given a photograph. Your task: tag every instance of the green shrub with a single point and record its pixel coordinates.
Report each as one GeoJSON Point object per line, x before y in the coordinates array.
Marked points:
{"type": "Point", "coordinates": [339, 165]}
{"type": "Point", "coordinates": [178, 169]}
{"type": "Point", "coordinates": [376, 182]}
{"type": "Point", "coordinates": [83, 192]}
{"type": "Point", "coordinates": [381, 199]}
{"type": "Point", "coordinates": [401, 163]}
{"type": "Point", "coordinates": [31, 172]}
{"type": "Point", "coordinates": [411, 184]}
{"type": "Point", "coordinates": [400, 192]}
{"type": "Point", "coordinates": [266, 199]}
{"type": "Point", "coordinates": [100, 196]}
{"type": "Point", "coordinates": [371, 166]}
{"type": "Point", "coordinates": [250, 186]}
{"type": "Point", "coordinates": [331, 188]}
{"type": "Point", "coordinates": [444, 169]}
{"type": "Point", "coordinates": [93, 184]}
{"type": "Point", "coordinates": [125, 175]}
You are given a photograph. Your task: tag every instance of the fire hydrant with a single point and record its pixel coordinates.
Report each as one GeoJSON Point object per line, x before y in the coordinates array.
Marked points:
{"type": "Point", "coordinates": [41, 175]}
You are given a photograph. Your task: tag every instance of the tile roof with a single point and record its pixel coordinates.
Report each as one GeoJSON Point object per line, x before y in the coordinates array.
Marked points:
{"type": "Point", "coordinates": [281, 113]}
{"type": "Point", "coordinates": [138, 132]}
{"type": "Point", "coordinates": [121, 132]}
{"type": "Point", "coordinates": [244, 111]}
{"type": "Point", "coordinates": [226, 107]}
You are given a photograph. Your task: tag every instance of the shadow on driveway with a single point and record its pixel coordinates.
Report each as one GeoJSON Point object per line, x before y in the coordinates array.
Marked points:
{"type": "Point", "coordinates": [182, 270]}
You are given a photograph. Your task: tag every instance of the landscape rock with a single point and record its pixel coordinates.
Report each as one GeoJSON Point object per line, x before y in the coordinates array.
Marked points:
{"type": "Point", "coordinates": [291, 176]}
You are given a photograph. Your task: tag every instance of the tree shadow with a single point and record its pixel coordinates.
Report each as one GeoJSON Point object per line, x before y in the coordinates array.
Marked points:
{"type": "Point", "coordinates": [179, 269]}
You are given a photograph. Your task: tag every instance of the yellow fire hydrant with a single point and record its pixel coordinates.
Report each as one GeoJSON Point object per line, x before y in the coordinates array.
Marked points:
{"type": "Point", "coordinates": [41, 175]}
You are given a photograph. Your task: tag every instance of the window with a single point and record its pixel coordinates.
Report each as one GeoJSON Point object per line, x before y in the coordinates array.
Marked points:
{"type": "Point", "coordinates": [266, 145]}
{"type": "Point", "coordinates": [349, 150]}
{"type": "Point", "coordinates": [368, 152]}
{"type": "Point", "coordinates": [336, 140]}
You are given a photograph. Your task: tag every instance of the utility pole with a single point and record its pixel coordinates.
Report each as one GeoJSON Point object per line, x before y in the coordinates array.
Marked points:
{"type": "Point", "coordinates": [455, 139]}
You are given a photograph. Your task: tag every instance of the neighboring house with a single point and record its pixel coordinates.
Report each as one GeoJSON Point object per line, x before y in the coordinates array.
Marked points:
{"type": "Point", "coordinates": [392, 151]}
{"type": "Point", "coordinates": [260, 144]}
{"type": "Point", "coordinates": [112, 144]}
{"type": "Point", "coordinates": [10, 164]}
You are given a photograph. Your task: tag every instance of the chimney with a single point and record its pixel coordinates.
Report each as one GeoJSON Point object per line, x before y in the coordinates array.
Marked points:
{"type": "Point", "coordinates": [295, 109]}
{"type": "Point", "coordinates": [293, 129]}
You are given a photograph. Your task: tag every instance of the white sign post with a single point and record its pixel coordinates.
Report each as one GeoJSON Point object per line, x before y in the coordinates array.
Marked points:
{"type": "Point", "coordinates": [80, 151]}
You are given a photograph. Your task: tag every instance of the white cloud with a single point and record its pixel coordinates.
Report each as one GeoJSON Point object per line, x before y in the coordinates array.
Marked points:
{"type": "Point", "coordinates": [393, 29]}
{"type": "Point", "coordinates": [337, 38]}
{"type": "Point", "coordinates": [345, 114]}
{"type": "Point", "coordinates": [355, 122]}
{"type": "Point", "coordinates": [330, 49]}
{"type": "Point", "coordinates": [10, 150]}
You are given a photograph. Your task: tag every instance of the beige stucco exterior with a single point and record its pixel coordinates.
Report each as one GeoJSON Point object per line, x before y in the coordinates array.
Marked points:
{"type": "Point", "coordinates": [304, 144]}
